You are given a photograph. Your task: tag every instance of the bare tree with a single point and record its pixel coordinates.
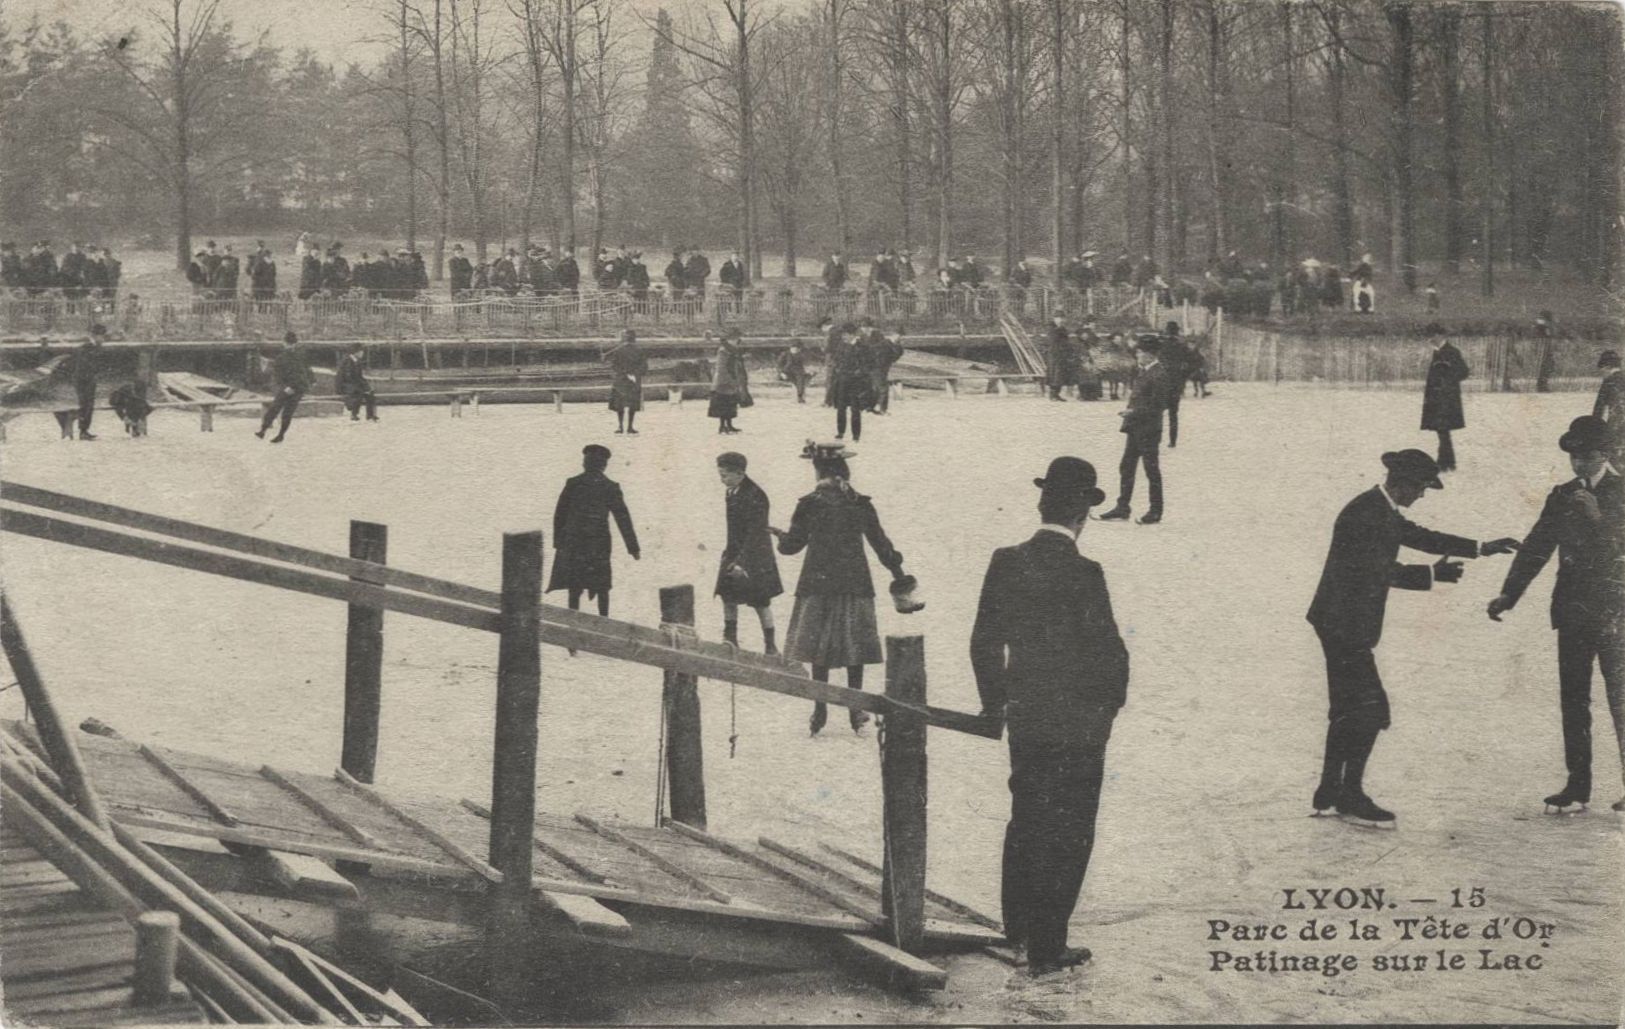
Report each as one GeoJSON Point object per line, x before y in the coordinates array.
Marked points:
{"type": "Point", "coordinates": [790, 124]}
{"type": "Point", "coordinates": [1402, 95]}
{"type": "Point", "coordinates": [835, 14]}
{"type": "Point", "coordinates": [472, 59]}
{"type": "Point", "coordinates": [605, 78]}
{"type": "Point", "coordinates": [943, 75]}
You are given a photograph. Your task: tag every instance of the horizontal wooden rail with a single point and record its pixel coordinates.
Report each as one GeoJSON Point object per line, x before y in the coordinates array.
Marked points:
{"type": "Point", "coordinates": [436, 599]}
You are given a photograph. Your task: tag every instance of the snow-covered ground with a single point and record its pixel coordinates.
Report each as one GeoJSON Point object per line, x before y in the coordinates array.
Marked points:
{"type": "Point", "coordinates": [1211, 763]}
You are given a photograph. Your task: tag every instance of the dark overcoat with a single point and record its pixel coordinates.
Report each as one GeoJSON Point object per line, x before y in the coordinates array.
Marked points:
{"type": "Point", "coordinates": [1610, 405]}
{"type": "Point", "coordinates": [831, 523]}
{"type": "Point", "coordinates": [1441, 397]}
{"type": "Point", "coordinates": [581, 533]}
{"type": "Point", "coordinates": [1363, 563]}
{"type": "Point", "coordinates": [1147, 402]}
{"type": "Point", "coordinates": [1045, 647]}
{"type": "Point", "coordinates": [630, 367]}
{"type": "Point", "coordinates": [696, 272]}
{"type": "Point", "coordinates": [1590, 589]}
{"type": "Point", "coordinates": [750, 548]}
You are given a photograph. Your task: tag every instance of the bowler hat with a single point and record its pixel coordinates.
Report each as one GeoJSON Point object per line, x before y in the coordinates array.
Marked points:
{"type": "Point", "coordinates": [1071, 477]}
{"type": "Point", "coordinates": [1587, 432]}
{"type": "Point", "coordinates": [1150, 342]}
{"type": "Point", "coordinates": [731, 460]}
{"type": "Point", "coordinates": [1608, 359]}
{"type": "Point", "coordinates": [595, 450]}
{"type": "Point", "coordinates": [1415, 465]}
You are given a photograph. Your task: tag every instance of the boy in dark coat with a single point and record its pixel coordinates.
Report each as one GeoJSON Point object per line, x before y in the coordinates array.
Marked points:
{"type": "Point", "coordinates": [749, 573]}
{"type": "Point", "coordinates": [462, 271]}
{"type": "Point", "coordinates": [1584, 522]}
{"type": "Point", "coordinates": [353, 386]}
{"type": "Point", "coordinates": [86, 364]}
{"type": "Point", "coordinates": [1049, 662]}
{"type": "Point", "coordinates": [695, 272]}
{"type": "Point", "coordinates": [628, 368]}
{"type": "Point", "coordinates": [1441, 400]}
{"type": "Point", "coordinates": [129, 402]}
{"type": "Point", "coordinates": [1610, 403]}
{"type": "Point", "coordinates": [792, 366]}
{"type": "Point", "coordinates": [310, 275]}
{"type": "Point", "coordinates": [291, 373]}
{"type": "Point", "coordinates": [581, 531]}
{"type": "Point", "coordinates": [1347, 613]}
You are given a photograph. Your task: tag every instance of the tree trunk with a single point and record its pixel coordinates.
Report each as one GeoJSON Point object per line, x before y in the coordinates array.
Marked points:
{"type": "Point", "coordinates": [442, 121]}
{"type": "Point", "coordinates": [1216, 160]}
{"type": "Point", "coordinates": [1165, 111]}
{"type": "Point", "coordinates": [898, 47]}
{"type": "Point", "coordinates": [1488, 202]}
{"type": "Point", "coordinates": [1450, 93]}
{"type": "Point", "coordinates": [1123, 69]}
{"type": "Point", "coordinates": [836, 10]}
{"type": "Point", "coordinates": [183, 149]}
{"type": "Point", "coordinates": [1286, 176]}
{"type": "Point", "coordinates": [747, 146]}
{"type": "Point", "coordinates": [943, 89]}
{"type": "Point", "coordinates": [1058, 138]}
{"type": "Point", "coordinates": [567, 130]}
{"type": "Point", "coordinates": [1403, 88]}
{"type": "Point", "coordinates": [1342, 180]}
{"type": "Point", "coordinates": [1007, 116]}
{"type": "Point", "coordinates": [409, 134]}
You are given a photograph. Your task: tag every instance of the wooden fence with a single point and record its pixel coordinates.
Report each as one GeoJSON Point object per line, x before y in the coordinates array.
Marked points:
{"type": "Point", "coordinates": [368, 586]}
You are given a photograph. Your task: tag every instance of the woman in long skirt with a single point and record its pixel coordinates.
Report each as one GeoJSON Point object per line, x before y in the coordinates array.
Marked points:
{"type": "Point", "coordinates": [1441, 400]}
{"type": "Point", "coordinates": [832, 624]}
{"type": "Point", "coordinates": [729, 389]}
{"type": "Point", "coordinates": [629, 365]}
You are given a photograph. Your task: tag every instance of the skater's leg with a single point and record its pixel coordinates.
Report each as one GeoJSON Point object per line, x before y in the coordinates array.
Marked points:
{"type": "Point", "coordinates": [87, 409]}
{"type": "Point", "coordinates": [764, 614]}
{"type": "Point", "coordinates": [730, 622]}
{"type": "Point", "coordinates": [857, 423]}
{"type": "Point", "coordinates": [1126, 469]}
{"type": "Point", "coordinates": [854, 681]}
{"type": "Point", "coordinates": [1153, 477]}
{"type": "Point", "coordinates": [840, 420]}
{"type": "Point", "coordinates": [603, 603]}
{"type": "Point", "coordinates": [631, 422]}
{"type": "Point", "coordinates": [1611, 658]}
{"type": "Point", "coordinates": [820, 713]}
{"type": "Point", "coordinates": [620, 421]}
{"type": "Point", "coordinates": [287, 414]}
{"type": "Point", "coordinates": [1447, 452]}
{"type": "Point", "coordinates": [1575, 652]}
{"type": "Point", "coordinates": [1173, 420]}
{"type": "Point", "coordinates": [574, 599]}
{"type": "Point", "coordinates": [1080, 769]}
{"type": "Point", "coordinates": [271, 413]}
{"type": "Point", "coordinates": [1331, 769]}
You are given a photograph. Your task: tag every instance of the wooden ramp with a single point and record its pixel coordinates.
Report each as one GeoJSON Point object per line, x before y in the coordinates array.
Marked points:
{"type": "Point", "coordinates": [240, 826]}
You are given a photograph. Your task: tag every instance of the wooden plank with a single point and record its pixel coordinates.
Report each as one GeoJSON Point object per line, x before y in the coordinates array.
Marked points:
{"type": "Point", "coordinates": [229, 566]}
{"type": "Point", "coordinates": [796, 878]}
{"type": "Point", "coordinates": [190, 788]}
{"type": "Point", "coordinates": [62, 956]}
{"type": "Point", "coordinates": [666, 865]}
{"type": "Point", "coordinates": [304, 874]}
{"type": "Point", "coordinates": [47, 986]}
{"type": "Point", "coordinates": [40, 1008]}
{"type": "Point", "coordinates": [897, 967]}
{"type": "Point", "coordinates": [481, 868]}
{"type": "Point", "coordinates": [685, 760]}
{"type": "Point", "coordinates": [801, 857]}
{"type": "Point", "coordinates": [585, 914]}
{"type": "Point", "coordinates": [570, 861]}
{"type": "Point", "coordinates": [322, 809]}
{"type": "Point", "coordinates": [363, 660]}
{"type": "Point", "coordinates": [390, 1001]}
{"type": "Point", "coordinates": [950, 903]}
{"type": "Point", "coordinates": [903, 783]}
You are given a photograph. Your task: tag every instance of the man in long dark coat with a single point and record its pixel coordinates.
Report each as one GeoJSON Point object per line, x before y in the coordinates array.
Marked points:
{"type": "Point", "coordinates": [637, 279]}
{"type": "Point", "coordinates": [732, 275]}
{"type": "Point", "coordinates": [569, 273]}
{"type": "Point", "coordinates": [87, 361]}
{"type": "Point", "coordinates": [310, 275]}
{"type": "Point", "coordinates": [1142, 433]}
{"type": "Point", "coordinates": [351, 383]}
{"type": "Point", "coordinates": [1441, 400]}
{"type": "Point", "coordinates": [1176, 358]}
{"type": "Point", "coordinates": [749, 572]}
{"type": "Point", "coordinates": [581, 531]}
{"type": "Point", "coordinates": [835, 274]}
{"type": "Point", "coordinates": [1058, 359]}
{"type": "Point", "coordinates": [675, 283]}
{"type": "Point", "coordinates": [1347, 613]}
{"type": "Point", "coordinates": [629, 367]}
{"type": "Point", "coordinates": [1610, 404]}
{"type": "Point", "coordinates": [1051, 665]}
{"type": "Point", "coordinates": [461, 270]}
{"type": "Point", "coordinates": [262, 274]}
{"type": "Point", "coordinates": [695, 272]}
{"type": "Point", "coordinates": [39, 269]}
{"type": "Point", "coordinates": [71, 275]}
{"type": "Point", "coordinates": [1584, 523]}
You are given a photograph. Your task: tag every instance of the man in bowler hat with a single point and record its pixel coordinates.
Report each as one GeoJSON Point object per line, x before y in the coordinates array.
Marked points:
{"type": "Point", "coordinates": [1051, 666]}
{"type": "Point", "coordinates": [1584, 522]}
{"type": "Point", "coordinates": [581, 531]}
{"type": "Point", "coordinates": [1347, 614]}
{"type": "Point", "coordinates": [1142, 427]}
{"type": "Point", "coordinates": [1610, 405]}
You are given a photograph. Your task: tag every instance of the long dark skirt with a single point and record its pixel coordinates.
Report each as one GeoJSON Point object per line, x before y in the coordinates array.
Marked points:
{"type": "Point", "coordinates": [724, 405]}
{"type": "Point", "coordinates": [625, 395]}
{"type": "Point", "coordinates": [833, 631]}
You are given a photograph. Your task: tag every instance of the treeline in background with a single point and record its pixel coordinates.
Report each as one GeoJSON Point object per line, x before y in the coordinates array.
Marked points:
{"type": "Point", "coordinates": [1455, 136]}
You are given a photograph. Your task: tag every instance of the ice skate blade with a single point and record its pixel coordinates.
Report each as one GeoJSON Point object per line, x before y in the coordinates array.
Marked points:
{"type": "Point", "coordinates": [1323, 813]}
{"type": "Point", "coordinates": [1370, 823]}
{"type": "Point", "coordinates": [1556, 810]}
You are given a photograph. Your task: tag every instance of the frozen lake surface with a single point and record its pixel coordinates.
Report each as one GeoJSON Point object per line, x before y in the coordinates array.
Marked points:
{"type": "Point", "coordinates": [1211, 763]}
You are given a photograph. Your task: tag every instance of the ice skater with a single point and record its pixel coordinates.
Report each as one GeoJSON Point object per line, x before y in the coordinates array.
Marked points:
{"type": "Point", "coordinates": [1610, 403]}
{"type": "Point", "coordinates": [352, 384]}
{"type": "Point", "coordinates": [1051, 665]}
{"type": "Point", "coordinates": [1584, 522]}
{"type": "Point", "coordinates": [581, 531]}
{"type": "Point", "coordinates": [1347, 614]}
{"type": "Point", "coordinates": [832, 624]}
{"type": "Point", "coordinates": [291, 374]}
{"type": "Point", "coordinates": [83, 367]}
{"type": "Point", "coordinates": [1142, 429]}
{"type": "Point", "coordinates": [730, 388]}
{"type": "Point", "coordinates": [629, 366]}
{"type": "Point", "coordinates": [849, 382]}
{"type": "Point", "coordinates": [792, 365]}
{"type": "Point", "coordinates": [1441, 399]}
{"type": "Point", "coordinates": [129, 403]}
{"type": "Point", "coordinates": [748, 575]}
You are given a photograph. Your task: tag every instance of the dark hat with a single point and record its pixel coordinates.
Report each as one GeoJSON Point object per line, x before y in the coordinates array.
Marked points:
{"type": "Point", "coordinates": [595, 450]}
{"type": "Point", "coordinates": [1150, 342]}
{"type": "Point", "coordinates": [98, 330]}
{"type": "Point", "coordinates": [1587, 432]}
{"type": "Point", "coordinates": [1415, 465]}
{"type": "Point", "coordinates": [849, 328]}
{"type": "Point", "coordinates": [837, 450]}
{"type": "Point", "coordinates": [291, 337]}
{"type": "Point", "coordinates": [731, 460]}
{"type": "Point", "coordinates": [1071, 478]}
{"type": "Point", "coordinates": [1608, 359]}
{"type": "Point", "coordinates": [1171, 329]}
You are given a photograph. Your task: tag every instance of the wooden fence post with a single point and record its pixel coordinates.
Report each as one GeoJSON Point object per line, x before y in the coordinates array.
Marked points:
{"type": "Point", "coordinates": [903, 788]}
{"type": "Point", "coordinates": [364, 661]}
{"type": "Point", "coordinates": [157, 941]}
{"type": "Point", "coordinates": [685, 763]}
{"type": "Point", "coordinates": [513, 766]}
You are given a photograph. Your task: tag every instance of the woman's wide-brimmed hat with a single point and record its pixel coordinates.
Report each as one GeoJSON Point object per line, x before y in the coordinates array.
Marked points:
{"type": "Point", "coordinates": [815, 451]}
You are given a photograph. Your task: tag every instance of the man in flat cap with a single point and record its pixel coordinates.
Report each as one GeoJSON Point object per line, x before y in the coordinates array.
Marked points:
{"type": "Point", "coordinates": [85, 368]}
{"type": "Point", "coordinates": [290, 372]}
{"type": "Point", "coordinates": [1610, 405]}
{"type": "Point", "coordinates": [1142, 428]}
{"type": "Point", "coordinates": [1347, 614]}
{"type": "Point", "coordinates": [581, 531]}
{"type": "Point", "coordinates": [1584, 522]}
{"type": "Point", "coordinates": [1050, 665]}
